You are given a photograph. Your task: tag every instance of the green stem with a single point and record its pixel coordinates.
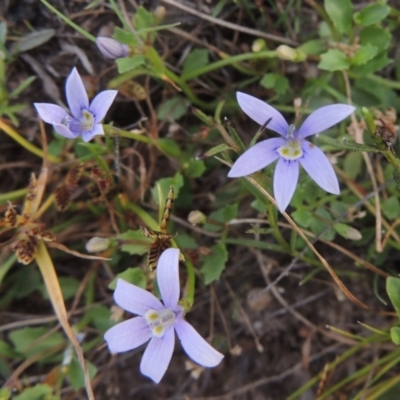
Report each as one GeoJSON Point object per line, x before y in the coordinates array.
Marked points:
{"type": "Point", "coordinates": [16, 194]}
{"type": "Point", "coordinates": [227, 61]}
{"type": "Point", "coordinates": [110, 130]}
{"type": "Point", "coordinates": [24, 143]}
{"type": "Point", "coordinates": [5, 267]}
{"type": "Point", "coordinates": [188, 300]}
{"type": "Point", "coordinates": [69, 22]}
{"type": "Point", "coordinates": [275, 228]}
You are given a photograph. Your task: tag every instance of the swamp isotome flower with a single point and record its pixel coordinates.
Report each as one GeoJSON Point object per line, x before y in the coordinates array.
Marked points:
{"type": "Point", "coordinates": [290, 149]}
{"type": "Point", "coordinates": [157, 322]}
{"type": "Point", "coordinates": [85, 118]}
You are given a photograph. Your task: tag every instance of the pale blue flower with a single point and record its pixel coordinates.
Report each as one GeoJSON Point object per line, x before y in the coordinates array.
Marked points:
{"type": "Point", "coordinates": [85, 119]}
{"type": "Point", "coordinates": [291, 149]}
{"type": "Point", "coordinates": [111, 48]}
{"type": "Point", "coordinates": [157, 322]}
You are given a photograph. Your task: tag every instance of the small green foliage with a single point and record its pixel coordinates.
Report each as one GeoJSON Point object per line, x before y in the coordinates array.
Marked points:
{"type": "Point", "coordinates": [275, 81]}
{"type": "Point", "coordinates": [196, 59]}
{"type": "Point", "coordinates": [375, 36]}
{"type": "Point", "coordinates": [126, 64]}
{"type": "Point", "coordinates": [372, 14]}
{"type": "Point", "coordinates": [173, 109]}
{"type": "Point", "coordinates": [340, 12]}
{"type": "Point", "coordinates": [30, 341]}
{"type": "Point", "coordinates": [164, 184]}
{"type": "Point", "coordinates": [37, 392]}
{"type": "Point", "coordinates": [134, 236]}
{"type": "Point", "coordinates": [364, 54]}
{"type": "Point", "coordinates": [334, 60]}
{"type": "Point", "coordinates": [217, 219]}
{"type": "Point", "coordinates": [75, 374]}
{"type": "Point", "coordinates": [302, 217]}
{"type": "Point", "coordinates": [347, 231]}
{"type": "Point", "coordinates": [391, 207]}
{"type": "Point", "coordinates": [169, 147]}
{"type": "Point", "coordinates": [69, 287]}
{"type": "Point", "coordinates": [214, 263]}
{"type": "Point", "coordinates": [393, 291]}
{"type": "Point", "coordinates": [32, 40]}
{"type": "Point", "coordinates": [353, 162]}
{"type": "Point", "coordinates": [135, 276]}
{"type": "Point", "coordinates": [5, 394]}
{"type": "Point", "coordinates": [395, 334]}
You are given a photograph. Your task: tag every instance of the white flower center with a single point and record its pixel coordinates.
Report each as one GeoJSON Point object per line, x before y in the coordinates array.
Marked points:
{"type": "Point", "coordinates": [159, 321]}
{"type": "Point", "coordinates": [292, 149]}
{"type": "Point", "coordinates": [85, 124]}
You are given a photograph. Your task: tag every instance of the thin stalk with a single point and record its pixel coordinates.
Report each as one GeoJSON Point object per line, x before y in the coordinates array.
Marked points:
{"type": "Point", "coordinates": [24, 143]}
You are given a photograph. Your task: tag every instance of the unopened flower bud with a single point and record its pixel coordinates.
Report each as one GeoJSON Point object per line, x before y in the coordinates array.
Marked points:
{"type": "Point", "coordinates": [288, 53]}
{"type": "Point", "coordinates": [111, 48]}
{"type": "Point", "coordinates": [258, 45]}
{"type": "Point", "coordinates": [159, 13]}
{"type": "Point", "coordinates": [196, 217]}
{"type": "Point", "coordinates": [97, 244]}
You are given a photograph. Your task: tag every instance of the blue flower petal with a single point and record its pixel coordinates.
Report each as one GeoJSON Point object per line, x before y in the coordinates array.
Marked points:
{"type": "Point", "coordinates": [317, 165]}
{"type": "Point", "coordinates": [76, 94]}
{"type": "Point", "coordinates": [323, 118]}
{"type": "Point", "coordinates": [101, 103]}
{"type": "Point", "coordinates": [195, 346]}
{"type": "Point", "coordinates": [285, 180]}
{"type": "Point", "coordinates": [89, 135]}
{"type": "Point", "coordinates": [168, 277]}
{"type": "Point", "coordinates": [261, 112]}
{"type": "Point", "coordinates": [157, 356]}
{"type": "Point", "coordinates": [128, 335]}
{"type": "Point", "coordinates": [256, 157]}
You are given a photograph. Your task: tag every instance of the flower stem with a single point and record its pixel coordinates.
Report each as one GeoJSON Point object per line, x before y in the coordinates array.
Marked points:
{"type": "Point", "coordinates": [275, 228]}
{"type": "Point", "coordinates": [68, 21]}
{"type": "Point", "coordinates": [24, 143]}
{"type": "Point", "coordinates": [188, 300]}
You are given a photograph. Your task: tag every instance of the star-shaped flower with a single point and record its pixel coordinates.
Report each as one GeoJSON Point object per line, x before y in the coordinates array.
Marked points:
{"type": "Point", "coordinates": [85, 118]}
{"type": "Point", "coordinates": [291, 149]}
{"type": "Point", "coordinates": [157, 322]}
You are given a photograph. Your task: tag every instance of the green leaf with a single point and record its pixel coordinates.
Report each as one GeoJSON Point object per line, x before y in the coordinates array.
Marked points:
{"type": "Point", "coordinates": [135, 248]}
{"type": "Point", "coordinates": [395, 334]}
{"type": "Point", "coordinates": [376, 36]}
{"type": "Point", "coordinates": [221, 217]}
{"type": "Point", "coordinates": [216, 150]}
{"type": "Point", "coordinates": [164, 184]}
{"type": "Point", "coordinates": [393, 291]}
{"type": "Point", "coordinates": [334, 60]}
{"type": "Point", "coordinates": [391, 208]}
{"type": "Point", "coordinates": [185, 241]}
{"type": "Point", "coordinates": [173, 109]}
{"type": "Point", "coordinates": [371, 14]}
{"type": "Point", "coordinates": [196, 59]}
{"type": "Point", "coordinates": [143, 19]}
{"type": "Point", "coordinates": [38, 392]}
{"type": "Point", "coordinates": [32, 40]}
{"type": "Point", "coordinates": [126, 64]}
{"type": "Point", "coordinates": [125, 37]}
{"type": "Point", "coordinates": [27, 341]}
{"type": "Point", "coordinates": [320, 222]}
{"type": "Point", "coordinates": [347, 232]}
{"type": "Point", "coordinates": [214, 263]}
{"type": "Point", "coordinates": [5, 394]}
{"type": "Point", "coordinates": [302, 217]}
{"type": "Point", "coordinates": [7, 351]}
{"type": "Point", "coordinates": [353, 163]}
{"type": "Point", "coordinates": [275, 81]}
{"type": "Point", "coordinates": [75, 373]}
{"type": "Point", "coordinates": [69, 287]}
{"type": "Point", "coordinates": [313, 47]}
{"type": "Point", "coordinates": [135, 276]}
{"type": "Point", "coordinates": [376, 64]}
{"type": "Point", "coordinates": [169, 147]}
{"type": "Point", "coordinates": [364, 54]}
{"type": "Point", "coordinates": [194, 168]}
{"type": "Point", "coordinates": [340, 12]}
{"type": "Point", "coordinates": [100, 316]}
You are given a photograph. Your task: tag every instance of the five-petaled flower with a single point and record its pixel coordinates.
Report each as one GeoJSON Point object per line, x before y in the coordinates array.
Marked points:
{"type": "Point", "coordinates": [85, 118]}
{"type": "Point", "coordinates": [157, 321]}
{"type": "Point", "coordinates": [290, 149]}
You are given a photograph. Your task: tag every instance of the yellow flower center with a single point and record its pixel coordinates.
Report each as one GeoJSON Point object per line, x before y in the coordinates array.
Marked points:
{"type": "Point", "coordinates": [159, 321]}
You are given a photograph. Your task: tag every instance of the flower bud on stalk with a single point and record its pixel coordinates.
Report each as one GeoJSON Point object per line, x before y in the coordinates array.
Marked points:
{"type": "Point", "coordinates": [111, 48]}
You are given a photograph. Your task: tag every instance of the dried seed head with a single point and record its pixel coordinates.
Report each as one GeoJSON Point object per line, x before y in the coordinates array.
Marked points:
{"type": "Point", "coordinates": [11, 215]}
{"type": "Point", "coordinates": [74, 175]}
{"type": "Point", "coordinates": [62, 197]}
{"type": "Point", "coordinates": [26, 249]}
